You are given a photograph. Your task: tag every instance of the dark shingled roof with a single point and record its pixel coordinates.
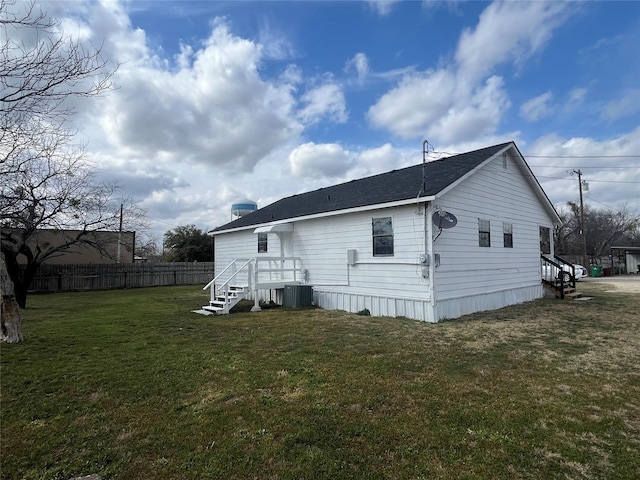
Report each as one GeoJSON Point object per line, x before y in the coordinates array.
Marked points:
{"type": "Point", "coordinates": [397, 185]}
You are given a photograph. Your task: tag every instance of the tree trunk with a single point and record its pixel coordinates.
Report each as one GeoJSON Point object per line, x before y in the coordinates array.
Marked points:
{"type": "Point", "coordinates": [20, 279]}
{"type": "Point", "coordinates": [11, 322]}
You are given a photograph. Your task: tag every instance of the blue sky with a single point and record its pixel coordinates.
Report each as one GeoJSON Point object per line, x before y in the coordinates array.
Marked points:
{"type": "Point", "coordinates": [217, 101]}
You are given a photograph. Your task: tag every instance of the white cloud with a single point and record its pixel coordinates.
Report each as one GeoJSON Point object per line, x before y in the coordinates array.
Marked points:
{"type": "Point", "coordinates": [193, 132]}
{"type": "Point", "coordinates": [382, 7]}
{"type": "Point", "coordinates": [275, 44]}
{"type": "Point", "coordinates": [291, 76]}
{"type": "Point", "coordinates": [463, 101]}
{"type": "Point", "coordinates": [381, 158]}
{"type": "Point", "coordinates": [319, 160]}
{"type": "Point", "coordinates": [324, 101]}
{"type": "Point", "coordinates": [214, 109]}
{"type": "Point", "coordinates": [538, 107]}
{"type": "Point", "coordinates": [576, 99]}
{"type": "Point", "coordinates": [434, 106]}
{"type": "Point", "coordinates": [613, 177]}
{"type": "Point", "coordinates": [360, 63]}
{"type": "Point", "coordinates": [507, 31]}
{"type": "Point", "coordinates": [577, 95]}
{"type": "Point", "coordinates": [622, 107]}
{"type": "Point", "coordinates": [476, 117]}
{"type": "Point", "coordinates": [419, 100]}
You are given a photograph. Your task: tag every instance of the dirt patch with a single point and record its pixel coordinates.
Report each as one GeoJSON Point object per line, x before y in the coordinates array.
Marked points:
{"type": "Point", "coordinates": [625, 287]}
{"type": "Point", "coordinates": [625, 284]}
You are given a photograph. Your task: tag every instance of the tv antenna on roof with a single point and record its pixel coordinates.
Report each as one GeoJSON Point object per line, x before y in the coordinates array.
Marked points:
{"type": "Point", "coordinates": [425, 152]}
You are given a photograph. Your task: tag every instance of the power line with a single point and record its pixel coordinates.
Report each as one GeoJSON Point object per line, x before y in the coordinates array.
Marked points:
{"type": "Point", "coordinates": [599, 168]}
{"type": "Point", "coordinates": [604, 204]}
{"type": "Point", "coordinates": [590, 180]}
{"type": "Point", "coordinates": [581, 156]}
{"type": "Point", "coordinates": [611, 181]}
{"type": "Point", "coordinates": [565, 166]}
{"type": "Point", "coordinates": [437, 152]}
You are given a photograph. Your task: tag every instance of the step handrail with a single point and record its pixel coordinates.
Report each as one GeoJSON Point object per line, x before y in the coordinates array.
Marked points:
{"type": "Point", "coordinates": [212, 282]}
{"type": "Point", "coordinates": [561, 261]}
{"type": "Point", "coordinates": [560, 276]}
{"type": "Point", "coordinates": [226, 283]}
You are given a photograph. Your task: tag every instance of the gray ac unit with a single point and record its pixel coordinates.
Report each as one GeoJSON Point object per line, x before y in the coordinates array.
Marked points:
{"type": "Point", "coordinates": [296, 296]}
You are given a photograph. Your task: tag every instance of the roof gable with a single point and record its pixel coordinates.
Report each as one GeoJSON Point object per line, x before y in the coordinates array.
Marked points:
{"type": "Point", "coordinates": [385, 188]}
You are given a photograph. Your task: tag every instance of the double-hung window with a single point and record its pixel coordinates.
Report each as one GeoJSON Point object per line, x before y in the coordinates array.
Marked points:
{"type": "Point", "coordinates": [382, 233]}
{"type": "Point", "coordinates": [262, 242]}
{"type": "Point", "coordinates": [507, 234]}
{"type": "Point", "coordinates": [484, 233]}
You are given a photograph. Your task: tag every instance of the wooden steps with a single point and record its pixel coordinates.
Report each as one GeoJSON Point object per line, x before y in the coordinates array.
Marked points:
{"type": "Point", "coordinates": [569, 292]}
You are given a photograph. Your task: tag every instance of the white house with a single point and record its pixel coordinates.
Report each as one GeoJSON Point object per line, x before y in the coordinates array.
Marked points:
{"type": "Point", "coordinates": [437, 240]}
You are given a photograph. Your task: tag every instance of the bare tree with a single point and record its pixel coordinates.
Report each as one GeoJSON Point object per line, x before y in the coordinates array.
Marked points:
{"type": "Point", "coordinates": [603, 228]}
{"type": "Point", "coordinates": [608, 228]}
{"type": "Point", "coordinates": [566, 234]}
{"type": "Point", "coordinates": [147, 248]}
{"type": "Point", "coordinates": [46, 181]}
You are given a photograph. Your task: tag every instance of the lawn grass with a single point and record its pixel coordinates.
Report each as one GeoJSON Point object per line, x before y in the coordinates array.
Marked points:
{"type": "Point", "coordinates": [130, 384]}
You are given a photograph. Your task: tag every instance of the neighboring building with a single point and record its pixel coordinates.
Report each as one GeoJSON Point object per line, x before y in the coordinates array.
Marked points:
{"type": "Point", "coordinates": [436, 240]}
{"type": "Point", "coordinates": [83, 253]}
{"type": "Point", "coordinates": [625, 260]}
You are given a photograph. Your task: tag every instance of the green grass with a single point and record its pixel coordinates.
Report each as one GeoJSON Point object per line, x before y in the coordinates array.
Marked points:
{"type": "Point", "coordinates": [130, 384]}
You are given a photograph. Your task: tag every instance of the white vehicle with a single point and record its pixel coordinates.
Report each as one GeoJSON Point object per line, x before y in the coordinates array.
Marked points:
{"type": "Point", "coordinates": [580, 272]}
{"type": "Point", "coordinates": [552, 273]}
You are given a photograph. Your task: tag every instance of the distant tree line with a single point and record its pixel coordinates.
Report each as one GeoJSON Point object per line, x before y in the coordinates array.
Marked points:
{"type": "Point", "coordinates": [604, 228]}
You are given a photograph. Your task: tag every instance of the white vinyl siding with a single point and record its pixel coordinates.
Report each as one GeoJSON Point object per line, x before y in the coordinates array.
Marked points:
{"type": "Point", "coordinates": [241, 245]}
{"type": "Point", "coordinates": [468, 271]}
{"type": "Point", "coordinates": [323, 244]}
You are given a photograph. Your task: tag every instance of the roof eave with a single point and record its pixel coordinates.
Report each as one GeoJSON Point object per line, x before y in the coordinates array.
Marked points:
{"type": "Point", "coordinates": [365, 208]}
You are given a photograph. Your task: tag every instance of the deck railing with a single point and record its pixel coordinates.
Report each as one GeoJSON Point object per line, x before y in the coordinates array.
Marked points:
{"type": "Point", "coordinates": [231, 271]}
{"type": "Point", "coordinates": [256, 273]}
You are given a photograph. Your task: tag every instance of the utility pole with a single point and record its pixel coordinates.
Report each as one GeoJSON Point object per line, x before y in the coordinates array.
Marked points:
{"type": "Point", "coordinates": [583, 233]}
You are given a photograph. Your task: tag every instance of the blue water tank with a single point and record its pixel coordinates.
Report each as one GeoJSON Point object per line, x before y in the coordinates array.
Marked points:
{"type": "Point", "coordinates": [243, 207]}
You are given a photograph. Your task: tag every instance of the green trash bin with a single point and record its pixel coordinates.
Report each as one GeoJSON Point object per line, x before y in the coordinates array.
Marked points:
{"type": "Point", "coordinates": [596, 271]}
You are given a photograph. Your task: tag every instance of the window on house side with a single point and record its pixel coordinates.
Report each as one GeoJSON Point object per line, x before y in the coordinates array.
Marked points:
{"type": "Point", "coordinates": [262, 242]}
{"type": "Point", "coordinates": [545, 240]}
{"type": "Point", "coordinates": [382, 233]}
{"type": "Point", "coordinates": [484, 233]}
{"type": "Point", "coordinates": [507, 234]}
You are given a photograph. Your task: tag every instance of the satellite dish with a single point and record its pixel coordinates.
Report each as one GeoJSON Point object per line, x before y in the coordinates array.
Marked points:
{"type": "Point", "coordinates": [442, 219]}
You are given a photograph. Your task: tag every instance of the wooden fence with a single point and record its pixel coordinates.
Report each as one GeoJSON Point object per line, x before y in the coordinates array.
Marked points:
{"type": "Point", "coordinates": [64, 278]}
